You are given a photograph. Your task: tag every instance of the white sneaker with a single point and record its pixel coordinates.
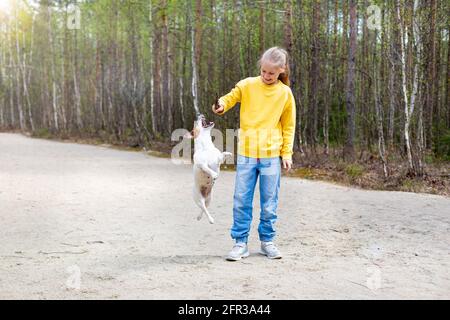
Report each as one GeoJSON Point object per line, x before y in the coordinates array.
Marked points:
{"type": "Point", "coordinates": [240, 250]}
{"type": "Point", "coordinates": [268, 249]}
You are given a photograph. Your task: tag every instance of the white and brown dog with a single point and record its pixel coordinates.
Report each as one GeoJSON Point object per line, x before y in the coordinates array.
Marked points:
{"type": "Point", "coordinates": [207, 161]}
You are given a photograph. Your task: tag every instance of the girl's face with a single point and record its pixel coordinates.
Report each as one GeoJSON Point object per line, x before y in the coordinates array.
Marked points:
{"type": "Point", "coordinates": [270, 72]}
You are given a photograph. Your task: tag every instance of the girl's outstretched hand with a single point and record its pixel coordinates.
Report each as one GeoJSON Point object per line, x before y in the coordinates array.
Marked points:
{"type": "Point", "coordinates": [218, 110]}
{"type": "Point", "coordinates": [287, 164]}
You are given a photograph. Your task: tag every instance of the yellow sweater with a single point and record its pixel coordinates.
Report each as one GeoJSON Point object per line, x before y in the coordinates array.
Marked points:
{"type": "Point", "coordinates": [267, 118]}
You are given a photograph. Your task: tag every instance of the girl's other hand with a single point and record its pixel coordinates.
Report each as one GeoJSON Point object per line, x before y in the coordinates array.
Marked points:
{"type": "Point", "coordinates": [287, 164]}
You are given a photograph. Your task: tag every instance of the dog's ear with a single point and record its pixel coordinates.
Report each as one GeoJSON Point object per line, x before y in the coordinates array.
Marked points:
{"type": "Point", "coordinates": [192, 135]}
{"type": "Point", "coordinates": [189, 135]}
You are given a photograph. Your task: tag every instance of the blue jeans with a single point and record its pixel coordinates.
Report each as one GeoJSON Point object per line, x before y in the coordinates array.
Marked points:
{"type": "Point", "coordinates": [247, 172]}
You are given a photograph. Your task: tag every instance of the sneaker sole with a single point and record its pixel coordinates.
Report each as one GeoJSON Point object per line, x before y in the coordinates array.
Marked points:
{"type": "Point", "coordinates": [265, 254]}
{"type": "Point", "coordinates": [245, 255]}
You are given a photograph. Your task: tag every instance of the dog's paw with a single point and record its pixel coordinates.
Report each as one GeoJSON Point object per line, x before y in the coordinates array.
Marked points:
{"type": "Point", "coordinates": [214, 175]}
{"type": "Point", "coordinates": [199, 217]}
{"type": "Point", "coordinates": [211, 220]}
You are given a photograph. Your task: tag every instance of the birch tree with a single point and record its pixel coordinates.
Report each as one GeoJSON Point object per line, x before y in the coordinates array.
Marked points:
{"type": "Point", "coordinates": [350, 84]}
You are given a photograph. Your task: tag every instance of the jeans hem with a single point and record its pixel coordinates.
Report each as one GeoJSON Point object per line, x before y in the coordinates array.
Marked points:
{"type": "Point", "coordinates": [241, 240]}
{"type": "Point", "coordinates": [263, 239]}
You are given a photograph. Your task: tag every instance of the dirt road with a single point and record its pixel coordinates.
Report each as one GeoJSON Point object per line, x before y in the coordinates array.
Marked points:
{"type": "Point", "coordinates": [89, 222]}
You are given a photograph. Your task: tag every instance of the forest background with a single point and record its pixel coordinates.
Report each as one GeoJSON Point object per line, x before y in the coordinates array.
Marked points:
{"type": "Point", "coordinates": [370, 78]}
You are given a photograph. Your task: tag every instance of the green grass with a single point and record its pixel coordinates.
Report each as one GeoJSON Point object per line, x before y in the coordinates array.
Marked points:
{"type": "Point", "coordinates": [354, 171]}
{"type": "Point", "coordinates": [42, 133]}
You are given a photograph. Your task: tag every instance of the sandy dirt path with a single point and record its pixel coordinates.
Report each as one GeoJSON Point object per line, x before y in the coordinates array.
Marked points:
{"type": "Point", "coordinates": [89, 222]}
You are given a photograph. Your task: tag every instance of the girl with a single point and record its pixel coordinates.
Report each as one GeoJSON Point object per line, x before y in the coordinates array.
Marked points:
{"type": "Point", "coordinates": [266, 134]}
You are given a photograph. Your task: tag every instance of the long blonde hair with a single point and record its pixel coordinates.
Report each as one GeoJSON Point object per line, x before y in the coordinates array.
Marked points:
{"type": "Point", "coordinates": [280, 58]}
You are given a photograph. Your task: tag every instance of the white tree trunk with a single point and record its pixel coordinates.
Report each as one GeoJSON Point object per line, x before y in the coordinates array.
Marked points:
{"type": "Point", "coordinates": [169, 82]}
{"type": "Point", "coordinates": [77, 100]}
{"type": "Point", "coordinates": [379, 115]}
{"type": "Point", "coordinates": [181, 100]}
{"type": "Point", "coordinates": [2, 120]}
{"type": "Point", "coordinates": [11, 92]}
{"type": "Point", "coordinates": [418, 45]}
{"type": "Point", "coordinates": [410, 103]}
{"type": "Point", "coordinates": [391, 87]}
{"type": "Point", "coordinates": [152, 109]}
{"type": "Point", "coordinates": [2, 84]}
{"type": "Point", "coordinates": [54, 93]}
{"type": "Point", "coordinates": [403, 40]}
{"type": "Point", "coordinates": [27, 76]}
{"type": "Point", "coordinates": [23, 69]}
{"type": "Point", "coordinates": [17, 67]}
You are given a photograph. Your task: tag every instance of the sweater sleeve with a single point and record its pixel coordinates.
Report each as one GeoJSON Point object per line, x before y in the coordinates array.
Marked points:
{"type": "Point", "coordinates": [288, 128]}
{"type": "Point", "coordinates": [234, 96]}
